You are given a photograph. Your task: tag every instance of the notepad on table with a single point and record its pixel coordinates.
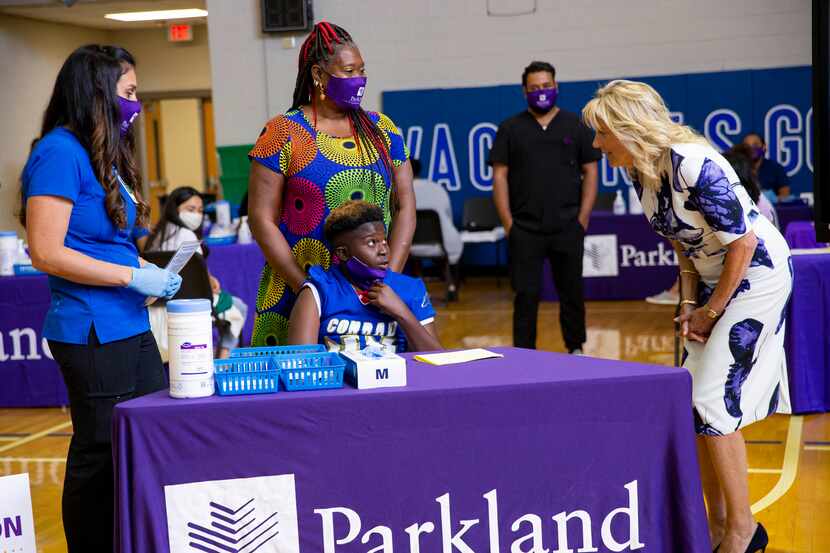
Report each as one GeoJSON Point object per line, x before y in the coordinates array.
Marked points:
{"type": "Point", "coordinates": [451, 357]}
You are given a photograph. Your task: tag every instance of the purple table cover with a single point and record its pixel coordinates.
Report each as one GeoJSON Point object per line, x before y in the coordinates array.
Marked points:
{"type": "Point", "coordinates": [534, 434]}
{"type": "Point", "coordinates": [792, 211]}
{"type": "Point", "coordinates": [802, 235]}
{"type": "Point", "coordinates": [29, 376]}
{"type": "Point", "coordinates": [808, 334]}
{"type": "Point", "coordinates": [645, 263]}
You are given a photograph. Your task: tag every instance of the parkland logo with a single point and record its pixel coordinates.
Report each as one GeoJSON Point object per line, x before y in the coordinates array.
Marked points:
{"type": "Point", "coordinates": [600, 257]}
{"type": "Point", "coordinates": [233, 516]}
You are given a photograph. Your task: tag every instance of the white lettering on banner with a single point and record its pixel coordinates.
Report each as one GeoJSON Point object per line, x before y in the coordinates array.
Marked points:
{"type": "Point", "coordinates": [721, 127]}
{"type": "Point", "coordinates": [787, 133]}
{"type": "Point", "coordinates": [661, 257]}
{"type": "Point", "coordinates": [413, 141]}
{"type": "Point", "coordinates": [480, 142]}
{"type": "Point", "coordinates": [443, 166]}
{"type": "Point", "coordinates": [808, 140]}
{"type": "Point", "coordinates": [16, 336]}
{"type": "Point", "coordinates": [782, 127]}
{"type": "Point", "coordinates": [453, 536]}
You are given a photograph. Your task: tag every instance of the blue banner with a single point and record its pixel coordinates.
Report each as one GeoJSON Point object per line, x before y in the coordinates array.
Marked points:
{"type": "Point", "coordinates": [451, 131]}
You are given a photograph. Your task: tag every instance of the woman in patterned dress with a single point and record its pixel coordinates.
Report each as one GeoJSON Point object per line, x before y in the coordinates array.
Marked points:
{"type": "Point", "coordinates": [736, 280]}
{"type": "Point", "coordinates": [324, 151]}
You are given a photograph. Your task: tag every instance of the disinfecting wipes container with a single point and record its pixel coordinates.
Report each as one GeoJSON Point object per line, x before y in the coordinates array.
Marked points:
{"type": "Point", "coordinates": [190, 347]}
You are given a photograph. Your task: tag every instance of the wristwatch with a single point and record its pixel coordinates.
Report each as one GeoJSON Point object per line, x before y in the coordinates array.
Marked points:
{"type": "Point", "coordinates": [711, 313]}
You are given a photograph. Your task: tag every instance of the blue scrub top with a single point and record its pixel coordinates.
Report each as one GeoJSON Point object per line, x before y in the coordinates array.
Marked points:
{"type": "Point", "coordinates": [60, 166]}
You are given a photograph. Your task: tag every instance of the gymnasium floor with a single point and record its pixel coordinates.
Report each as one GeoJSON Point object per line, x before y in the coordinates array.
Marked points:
{"type": "Point", "coordinates": [789, 457]}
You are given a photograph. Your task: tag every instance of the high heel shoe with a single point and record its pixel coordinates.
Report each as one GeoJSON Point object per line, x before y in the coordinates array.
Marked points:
{"type": "Point", "coordinates": [759, 540]}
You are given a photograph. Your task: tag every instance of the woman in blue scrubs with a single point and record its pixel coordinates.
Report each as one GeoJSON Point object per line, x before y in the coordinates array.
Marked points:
{"type": "Point", "coordinates": [83, 212]}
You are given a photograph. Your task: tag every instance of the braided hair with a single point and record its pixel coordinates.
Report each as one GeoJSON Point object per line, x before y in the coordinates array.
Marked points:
{"type": "Point", "coordinates": [321, 46]}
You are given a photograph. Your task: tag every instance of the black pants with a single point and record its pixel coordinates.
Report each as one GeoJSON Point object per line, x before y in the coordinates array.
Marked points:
{"type": "Point", "coordinates": [564, 251]}
{"type": "Point", "coordinates": [98, 376]}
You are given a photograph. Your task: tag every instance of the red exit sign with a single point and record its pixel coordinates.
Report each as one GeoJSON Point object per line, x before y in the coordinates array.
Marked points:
{"type": "Point", "coordinates": [180, 32]}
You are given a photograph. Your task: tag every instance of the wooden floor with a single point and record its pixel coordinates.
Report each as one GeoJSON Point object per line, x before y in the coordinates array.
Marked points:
{"type": "Point", "coordinates": [789, 456]}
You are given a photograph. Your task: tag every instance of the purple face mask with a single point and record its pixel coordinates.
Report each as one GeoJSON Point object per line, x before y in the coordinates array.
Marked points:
{"type": "Point", "coordinates": [542, 101]}
{"type": "Point", "coordinates": [362, 275]}
{"type": "Point", "coordinates": [757, 152]}
{"type": "Point", "coordinates": [129, 111]}
{"type": "Point", "coordinates": [346, 92]}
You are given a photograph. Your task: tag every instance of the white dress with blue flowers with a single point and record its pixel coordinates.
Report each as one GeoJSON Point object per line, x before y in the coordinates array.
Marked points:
{"type": "Point", "coordinates": [740, 373]}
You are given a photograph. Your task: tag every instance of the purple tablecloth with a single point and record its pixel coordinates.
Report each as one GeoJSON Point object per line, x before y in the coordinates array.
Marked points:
{"type": "Point", "coordinates": [802, 235]}
{"type": "Point", "coordinates": [634, 260]}
{"type": "Point", "coordinates": [473, 446]}
{"type": "Point", "coordinates": [29, 376]}
{"type": "Point", "coordinates": [808, 334]}
{"type": "Point", "coordinates": [792, 211]}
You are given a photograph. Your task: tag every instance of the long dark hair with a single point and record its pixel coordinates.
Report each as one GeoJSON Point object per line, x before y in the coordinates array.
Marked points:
{"type": "Point", "coordinates": [85, 102]}
{"type": "Point", "coordinates": [740, 157]}
{"type": "Point", "coordinates": [319, 48]}
{"type": "Point", "coordinates": [170, 214]}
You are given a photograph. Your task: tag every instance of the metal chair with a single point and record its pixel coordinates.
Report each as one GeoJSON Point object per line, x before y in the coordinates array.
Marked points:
{"type": "Point", "coordinates": [428, 242]}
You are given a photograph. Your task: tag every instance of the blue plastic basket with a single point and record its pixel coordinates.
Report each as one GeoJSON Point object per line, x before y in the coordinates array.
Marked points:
{"type": "Point", "coordinates": [271, 351]}
{"type": "Point", "coordinates": [238, 376]}
{"type": "Point", "coordinates": [311, 371]}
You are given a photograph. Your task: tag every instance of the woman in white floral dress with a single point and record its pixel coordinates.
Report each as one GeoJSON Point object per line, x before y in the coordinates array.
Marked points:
{"type": "Point", "coordinates": [736, 279]}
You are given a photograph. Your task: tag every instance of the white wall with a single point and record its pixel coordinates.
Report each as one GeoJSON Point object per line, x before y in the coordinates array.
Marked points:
{"type": "Point", "coordinates": [32, 52]}
{"type": "Point", "coordinates": [437, 43]}
{"type": "Point", "coordinates": [168, 66]}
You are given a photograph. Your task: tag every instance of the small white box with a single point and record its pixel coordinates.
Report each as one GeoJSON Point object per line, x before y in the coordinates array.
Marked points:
{"type": "Point", "coordinates": [367, 369]}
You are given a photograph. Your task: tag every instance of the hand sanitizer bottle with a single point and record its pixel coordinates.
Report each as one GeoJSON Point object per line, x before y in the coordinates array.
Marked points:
{"type": "Point", "coordinates": [619, 204]}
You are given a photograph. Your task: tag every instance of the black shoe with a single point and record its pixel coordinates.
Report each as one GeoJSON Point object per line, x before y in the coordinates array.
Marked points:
{"type": "Point", "coordinates": [759, 540]}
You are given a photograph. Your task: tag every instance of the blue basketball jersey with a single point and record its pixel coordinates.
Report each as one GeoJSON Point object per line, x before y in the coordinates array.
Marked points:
{"type": "Point", "coordinates": [347, 323]}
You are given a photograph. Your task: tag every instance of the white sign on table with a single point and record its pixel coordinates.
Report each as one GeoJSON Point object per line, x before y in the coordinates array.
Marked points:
{"type": "Point", "coordinates": [17, 526]}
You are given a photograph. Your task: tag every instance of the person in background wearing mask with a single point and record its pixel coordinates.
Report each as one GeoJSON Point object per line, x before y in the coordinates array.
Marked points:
{"type": "Point", "coordinates": [180, 222]}
{"type": "Point", "coordinates": [326, 150]}
{"type": "Point", "coordinates": [544, 187]}
{"type": "Point", "coordinates": [83, 211]}
{"type": "Point", "coordinates": [769, 173]}
{"type": "Point", "coordinates": [361, 302]}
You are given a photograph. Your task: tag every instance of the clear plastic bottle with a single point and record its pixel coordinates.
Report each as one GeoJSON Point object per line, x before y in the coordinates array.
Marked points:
{"type": "Point", "coordinates": [619, 204]}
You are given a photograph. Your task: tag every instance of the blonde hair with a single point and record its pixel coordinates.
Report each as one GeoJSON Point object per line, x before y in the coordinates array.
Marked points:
{"type": "Point", "coordinates": [639, 118]}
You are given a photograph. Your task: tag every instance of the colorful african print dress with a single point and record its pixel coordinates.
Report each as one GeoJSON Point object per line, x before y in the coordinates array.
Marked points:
{"type": "Point", "coordinates": [321, 173]}
{"type": "Point", "coordinates": [740, 373]}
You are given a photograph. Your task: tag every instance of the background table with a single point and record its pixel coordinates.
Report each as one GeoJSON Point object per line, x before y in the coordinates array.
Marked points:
{"type": "Point", "coordinates": [792, 211]}
{"type": "Point", "coordinates": [802, 235]}
{"type": "Point", "coordinates": [808, 333]}
{"type": "Point", "coordinates": [29, 376]}
{"type": "Point", "coordinates": [549, 432]}
{"type": "Point", "coordinates": [641, 262]}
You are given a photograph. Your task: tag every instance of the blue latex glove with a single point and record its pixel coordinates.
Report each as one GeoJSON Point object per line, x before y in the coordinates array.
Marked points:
{"type": "Point", "coordinates": [154, 282]}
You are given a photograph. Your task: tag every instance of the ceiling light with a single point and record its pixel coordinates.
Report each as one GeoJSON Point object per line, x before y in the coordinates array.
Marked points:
{"type": "Point", "coordinates": [157, 15]}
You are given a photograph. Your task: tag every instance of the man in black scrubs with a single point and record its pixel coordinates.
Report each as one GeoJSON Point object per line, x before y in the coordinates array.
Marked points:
{"type": "Point", "coordinates": [544, 187]}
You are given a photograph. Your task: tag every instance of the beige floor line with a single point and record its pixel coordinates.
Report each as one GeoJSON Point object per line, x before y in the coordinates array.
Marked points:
{"type": "Point", "coordinates": [789, 468]}
{"type": "Point", "coordinates": [32, 459]}
{"type": "Point", "coordinates": [33, 437]}
{"type": "Point", "coordinates": [817, 447]}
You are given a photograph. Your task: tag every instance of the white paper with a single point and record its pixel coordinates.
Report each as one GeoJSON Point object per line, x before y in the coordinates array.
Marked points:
{"type": "Point", "coordinates": [463, 356]}
{"type": "Point", "coordinates": [182, 256]}
{"type": "Point", "coordinates": [18, 532]}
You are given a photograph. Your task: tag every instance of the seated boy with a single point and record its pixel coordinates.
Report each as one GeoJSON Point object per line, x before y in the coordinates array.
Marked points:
{"type": "Point", "coordinates": [359, 302]}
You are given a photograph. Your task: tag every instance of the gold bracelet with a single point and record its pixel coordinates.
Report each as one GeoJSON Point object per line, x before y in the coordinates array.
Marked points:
{"type": "Point", "coordinates": [688, 272]}
{"type": "Point", "coordinates": [711, 313]}
{"type": "Point", "coordinates": [688, 302]}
